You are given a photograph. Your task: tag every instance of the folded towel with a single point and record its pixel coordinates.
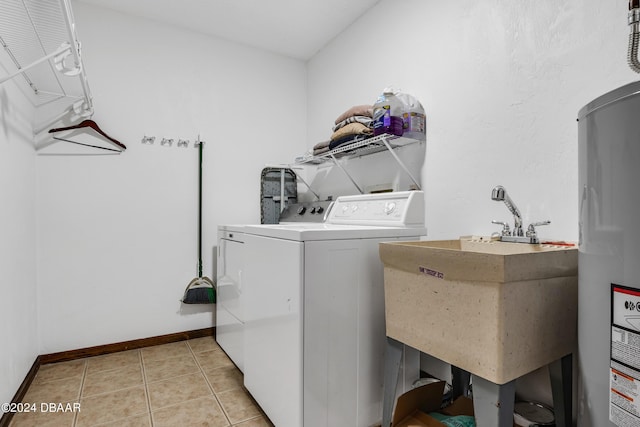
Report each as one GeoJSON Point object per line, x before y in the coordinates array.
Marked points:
{"type": "Point", "coordinates": [320, 151]}
{"type": "Point", "coordinates": [351, 129]}
{"type": "Point", "coordinates": [357, 110]}
{"type": "Point", "coordinates": [320, 145]}
{"type": "Point", "coordinates": [367, 121]}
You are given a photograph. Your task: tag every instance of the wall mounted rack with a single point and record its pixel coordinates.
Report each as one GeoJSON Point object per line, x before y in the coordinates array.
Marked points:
{"type": "Point", "coordinates": [168, 142]}
{"type": "Point", "coordinates": [376, 144]}
{"type": "Point", "coordinates": [42, 56]}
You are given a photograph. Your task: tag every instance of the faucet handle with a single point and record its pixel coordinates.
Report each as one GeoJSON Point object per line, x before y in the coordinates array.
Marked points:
{"type": "Point", "coordinates": [533, 225]}
{"type": "Point", "coordinates": [506, 231]}
{"type": "Point", "coordinates": [531, 230]}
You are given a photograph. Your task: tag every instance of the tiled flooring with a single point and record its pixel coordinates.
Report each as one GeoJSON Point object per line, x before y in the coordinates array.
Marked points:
{"type": "Point", "coordinates": [184, 384]}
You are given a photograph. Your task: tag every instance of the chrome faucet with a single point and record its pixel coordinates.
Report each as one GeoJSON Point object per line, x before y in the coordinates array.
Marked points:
{"type": "Point", "coordinates": [499, 194]}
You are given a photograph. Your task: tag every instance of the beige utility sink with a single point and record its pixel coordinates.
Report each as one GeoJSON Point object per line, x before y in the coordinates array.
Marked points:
{"type": "Point", "coordinates": [498, 310]}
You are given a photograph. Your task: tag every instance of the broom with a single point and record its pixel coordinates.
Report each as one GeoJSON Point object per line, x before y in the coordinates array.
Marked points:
{"type": "Point", "coordinates": [201, 289]}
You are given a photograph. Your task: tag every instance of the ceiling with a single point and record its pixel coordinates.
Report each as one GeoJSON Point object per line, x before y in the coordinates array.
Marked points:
{"type": "Point", "coordinates": [295, 28]}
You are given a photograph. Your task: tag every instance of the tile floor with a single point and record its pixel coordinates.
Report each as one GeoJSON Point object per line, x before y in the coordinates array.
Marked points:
{"type": "Point", "coordinates": [187, 383]}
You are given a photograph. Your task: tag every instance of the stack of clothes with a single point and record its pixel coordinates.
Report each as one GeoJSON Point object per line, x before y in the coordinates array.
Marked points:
{"type": "Point", "coordinates": [353, 125]}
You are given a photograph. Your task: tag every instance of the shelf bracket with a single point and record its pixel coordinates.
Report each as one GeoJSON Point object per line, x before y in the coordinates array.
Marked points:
{"type": "Point", "coordinates": [400, 162]}
{"type": "Point", "coordinates": [337, 163]}
{"type": "Point", "coordinates": [305, 183]}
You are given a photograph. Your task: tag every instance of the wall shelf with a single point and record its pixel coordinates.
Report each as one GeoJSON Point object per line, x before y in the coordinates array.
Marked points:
{"type": "Point", "coordinates": [41, 54]}
{"type": "Point", "coordinates": [376, 144]}
{"type": "Point", "coordinates": [364, 147]}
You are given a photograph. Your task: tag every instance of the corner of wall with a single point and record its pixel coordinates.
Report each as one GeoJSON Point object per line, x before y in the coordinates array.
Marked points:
{"type": "Point", "coordinates": [18, 286]}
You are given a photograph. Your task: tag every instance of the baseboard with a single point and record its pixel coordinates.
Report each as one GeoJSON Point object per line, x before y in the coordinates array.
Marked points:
{"type": "Point", "coordinates": [98, 350]}
{"type": "Point", "coordinates": [5, 420]}
{"type": "Point", "coordinates": [64, 356]}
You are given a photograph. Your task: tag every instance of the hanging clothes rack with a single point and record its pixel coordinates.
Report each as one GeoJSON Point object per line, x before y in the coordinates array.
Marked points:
{"type": "Point", "coordinates": [41, 45]}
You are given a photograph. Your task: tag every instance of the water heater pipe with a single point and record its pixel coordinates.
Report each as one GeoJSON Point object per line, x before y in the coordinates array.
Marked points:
{"type": "Point", "coordinates": [634, 35]}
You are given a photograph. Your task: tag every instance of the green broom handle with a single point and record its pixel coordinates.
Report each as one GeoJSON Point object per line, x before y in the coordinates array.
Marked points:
{"type": "Point", "coordinates": [200, 208]}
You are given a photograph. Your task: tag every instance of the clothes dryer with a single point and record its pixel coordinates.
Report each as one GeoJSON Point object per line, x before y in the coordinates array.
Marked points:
{"type": "Point", "coordinates": [230, 307]}
{"type": "Point", "coordinates": [230, 302]}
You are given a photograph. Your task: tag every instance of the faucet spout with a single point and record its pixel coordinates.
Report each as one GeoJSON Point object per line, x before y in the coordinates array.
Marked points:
{"type": "Point", "coordinates": [499, 194]}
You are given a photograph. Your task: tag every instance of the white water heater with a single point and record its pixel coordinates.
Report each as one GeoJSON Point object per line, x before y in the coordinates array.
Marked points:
{"type": "Point", "coordinates": [609, 260]}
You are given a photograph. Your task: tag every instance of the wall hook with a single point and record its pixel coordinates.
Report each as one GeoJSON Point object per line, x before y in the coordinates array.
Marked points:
{"type": "Point", "coordinates": [183, 143]}
{"type": "Point", "coordinates": [166, 141]}
{"type": "Point", "coordinates": [148, 139]}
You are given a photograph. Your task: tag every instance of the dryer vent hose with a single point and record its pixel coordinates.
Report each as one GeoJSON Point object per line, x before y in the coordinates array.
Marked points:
{"type": "Point", "coordinates": [634, 35]}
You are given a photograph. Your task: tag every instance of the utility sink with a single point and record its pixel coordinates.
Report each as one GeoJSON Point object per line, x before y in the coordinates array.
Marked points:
{"type": "Point", "coordinates": [498, 310]}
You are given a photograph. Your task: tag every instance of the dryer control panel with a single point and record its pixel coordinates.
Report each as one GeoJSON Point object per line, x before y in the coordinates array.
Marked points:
{"type": "Point", "coordinates": [306, 211]}
{"type": "Point", "coordinates": [404, 208]}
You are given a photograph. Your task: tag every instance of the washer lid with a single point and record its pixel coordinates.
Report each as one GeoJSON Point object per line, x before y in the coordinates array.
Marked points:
{"type": "Point", "coordinates": [323, 231]}
{"type": "Point", "coordinates": [238, 228]}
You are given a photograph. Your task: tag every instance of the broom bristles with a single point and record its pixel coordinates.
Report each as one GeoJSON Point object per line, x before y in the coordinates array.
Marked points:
{"type": "Point", "coordinates": [201, 290]}
{"type": "Point", "coordinates": [200, 296]}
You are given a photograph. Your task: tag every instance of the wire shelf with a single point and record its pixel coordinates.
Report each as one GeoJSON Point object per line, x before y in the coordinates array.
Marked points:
{"type": "Point", "coordinates": [363, 147]}
{"type": "Point", "coordinates": [384, 142]}
{"type": "Point", "coordinates": [41, 54]}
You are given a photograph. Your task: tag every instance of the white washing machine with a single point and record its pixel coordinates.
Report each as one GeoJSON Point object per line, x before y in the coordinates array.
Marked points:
{"type": "Point", "coordinates": [314, 330]}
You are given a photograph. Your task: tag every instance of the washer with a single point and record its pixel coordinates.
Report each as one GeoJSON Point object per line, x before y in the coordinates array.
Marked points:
{"type": "Point", "coordinates": [314, 330]}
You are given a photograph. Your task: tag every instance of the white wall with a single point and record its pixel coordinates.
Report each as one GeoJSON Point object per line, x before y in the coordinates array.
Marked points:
{"type": "Point", "coordinates": [118, 234]}
{"type": "Point", "coordinates": [18, 294]}
{"type": "Point", "coordinates": [502, 83]}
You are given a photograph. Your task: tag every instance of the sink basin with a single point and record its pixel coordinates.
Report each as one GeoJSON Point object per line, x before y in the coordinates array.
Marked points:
{"type": "Point", "coordinates": [498, 310]}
